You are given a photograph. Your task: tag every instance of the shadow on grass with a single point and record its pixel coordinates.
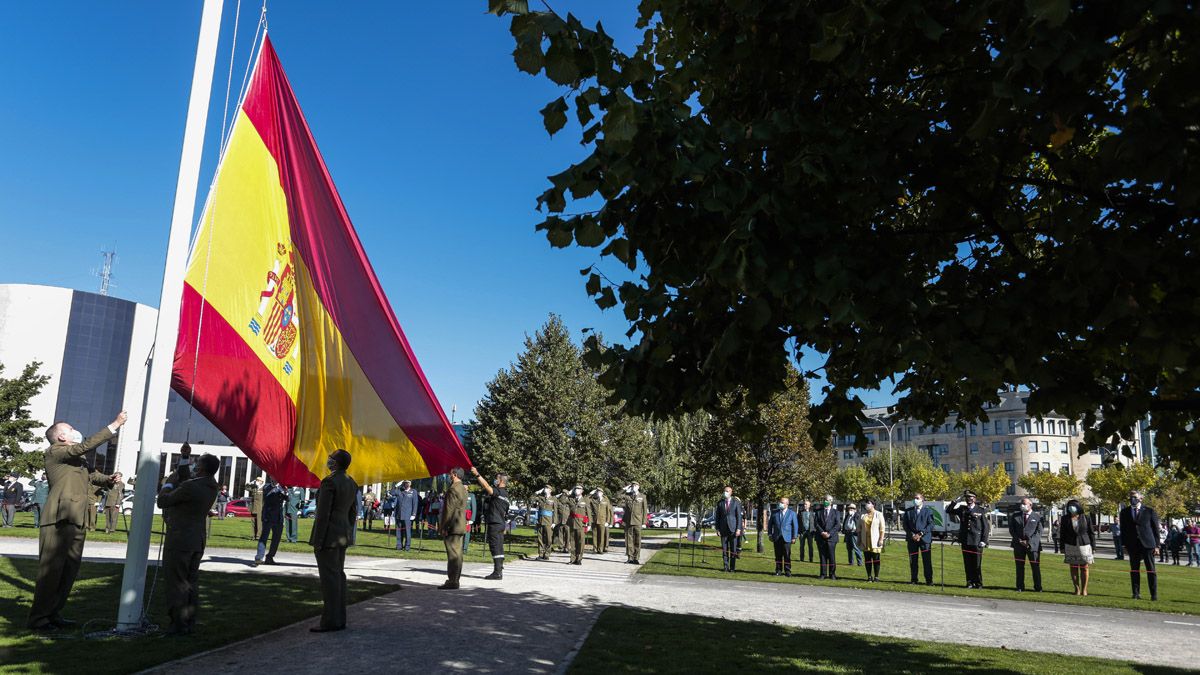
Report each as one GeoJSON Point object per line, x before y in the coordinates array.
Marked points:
{"type": "Point", "coordinates": [628, 640]}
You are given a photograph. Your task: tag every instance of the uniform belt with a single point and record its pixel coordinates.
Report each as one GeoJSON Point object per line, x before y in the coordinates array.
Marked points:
{"type": "Point", "coordinates": [583, 518]}
{"type": "Point", "coordinates": [546, 514]}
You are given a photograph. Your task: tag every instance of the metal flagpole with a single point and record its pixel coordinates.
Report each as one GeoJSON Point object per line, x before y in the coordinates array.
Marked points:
{"type": "Point", "coordinates": [154, 413]}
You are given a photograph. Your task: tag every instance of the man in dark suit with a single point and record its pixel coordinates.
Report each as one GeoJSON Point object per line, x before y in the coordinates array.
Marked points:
{"type": "Point", "coordinates": [185, 507]}
{"type": "Point", "coordinates": [973, 531]}
{"type": "Point", "coordinates": [1140, 534]}
{"type": "Point", "coordinates": [807, 533]}
{"type": "Point", "coordinates": [61, 533]}
{"type": "Point", "coordinates": [333, 525]}
{"type": "Point", "coordinates": [1025, 527]}
{"type": "Point", "coordinates": [408, 507]}
{"type": "Point", "coordinates": [827, 523]}
{"type": "Point", "coordinates": [274, 497]}
{"type": "Point", "coordinates": [918, 533]}
{"type": "Point", "coordinates": [730, 522]}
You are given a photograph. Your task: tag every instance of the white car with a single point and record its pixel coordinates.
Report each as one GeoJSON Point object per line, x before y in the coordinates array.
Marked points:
{"type": "Point", "coordinates": [672, 519]}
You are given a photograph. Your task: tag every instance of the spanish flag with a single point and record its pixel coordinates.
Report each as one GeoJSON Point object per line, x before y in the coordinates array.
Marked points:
{"type": "Point", "coordinates": [285, 333]}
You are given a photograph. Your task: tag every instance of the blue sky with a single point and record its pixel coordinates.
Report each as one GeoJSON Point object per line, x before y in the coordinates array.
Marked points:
{"type": "Point", "coordinates": [431, 133]}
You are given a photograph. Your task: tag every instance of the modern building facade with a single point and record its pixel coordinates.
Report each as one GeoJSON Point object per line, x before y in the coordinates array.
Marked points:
{"type": "Point", "coordinates": [1011, 439]}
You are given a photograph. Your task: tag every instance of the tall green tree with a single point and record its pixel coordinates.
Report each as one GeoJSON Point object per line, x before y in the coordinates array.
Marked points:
{"type": "Point", "coordinates": [675, 477]}
{"type": "Point", "coordinates": [17, 426]}
{"type": "Point", "coordinates": [546, 419]}
{"type": "Point", "coordinates": [854, 484]}
{"type": "Point", "coordinates": [1050, 488]}
{"type": "Point", "coordinates": [969, 196]}
{"type": "Point", "coordinates": [765, 450]}
{"type": "Point", "coordinates": [988, 483]}
{"type": "Point", "coordinates": [912, 470]}
{"type": "Point", "coordinates": [1111, 484]}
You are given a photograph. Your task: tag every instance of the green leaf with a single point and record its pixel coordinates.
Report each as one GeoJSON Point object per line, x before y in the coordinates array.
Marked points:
{"type": "Point", "coordinates": [554, 115]}
{"type": "Point", "coordinates": [502, 7]}
{"type": "Point", "coordinates": [559, 238]}
{"type": "Point", "coordinates": [560, 62]}
{"type": "Point", "coordinates": [826, 50]}
{"type": "Point", "coordinates": [588, 233]}
{"type": "Point", "coordinates": [593, 285]}
{"type": "Point", "coordinates": [621, 122]}
{"type": "Point", "coordinates": [1053, 12]}
{"type": "Point", "coordinates": [607, 299]}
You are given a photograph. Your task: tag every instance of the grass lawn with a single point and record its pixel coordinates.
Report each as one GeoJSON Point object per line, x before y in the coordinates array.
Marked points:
{"type": "Point", "coordinates": [639, 641]}
{"type": "Point", "coordinates": [235, 533]}
{"type": "Point", "coordinates": [1178, 586]}
{"type": "Point", "coordinates": [232, 607]}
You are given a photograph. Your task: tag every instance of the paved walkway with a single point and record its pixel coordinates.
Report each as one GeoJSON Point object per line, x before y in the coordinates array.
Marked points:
{"type": "Point", "coordinates": [536, 618]}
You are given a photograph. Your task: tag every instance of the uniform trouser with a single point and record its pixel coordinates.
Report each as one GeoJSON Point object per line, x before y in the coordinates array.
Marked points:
{"type": "Point", "coordinates": [182, 570]}
{"type": "Point", "coordinates": [1138, 555]}
{"type": "Point", "coordinates": [10, 512]}
{"type": "Point", "coordinates": [806, 538]}
{"type": "Point", "coordinates": [37, 515]}
{"type": "Point", "coordinates": [91, 516]}
{"type": "Point", "coordinates": [274, 531]}
{"type": "Point", "coordinates": [731, 548]}
{"type": "Point", "coordinates": [545, 536]}
{"type": "Point", "coordinates": [1021, 554]}
{"type": "Point", "coordinates": [827, 551]}
{"type": "Point", "coordinates": [783, 555]}
{"type": "Point", "coordinates": [853, 552]}
{"type": "Point", "coordinates": [60, 548]}
{"type": "Point", "coordinates": [331, 566]}
{"type": "Point", "coordinates": [599, 538]}
{"type": "Point", "coordinates": [404, 535]}
{"type": "Point", "coordinates": [293, 528]}
{"type": "Point", "coordinates": [973, 564]}
{"type": "Point", "coordinates": [495, 539]}
{"type": "Point", "coordinates": [926, 555]}
{"type": "Point", "coordinates": [454, 557]}
{"type": "Point", "coordinates": [110, 519]}
{"type": "Point", "coordinates": [575, 537]}
{"type": "Point", "coordinates": [560, 535]}
{"type": "Point", "coordinates": [872, 564]}
{"type": "Point", "coordinates": [256, 519]}
{"type": "Point", "coordinates": [633, 542]}
{"type": "Point", "coordinates": [1119, 546]}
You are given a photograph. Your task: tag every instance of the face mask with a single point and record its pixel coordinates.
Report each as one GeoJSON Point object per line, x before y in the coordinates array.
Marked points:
{"type": "Point", "coordinates": [75, 437]}
{"type": "Point", "coordinates": [635, 489]}
{"type": "Point", "coordinates": [870, 508]}
{"type": "Point", "coordinates": [825, 503]}
{"type": "Point", "coordinates": [1025, 508]}
{"type": "Point", "coordinates": [728, 495]}
{"type": "Point", "coordinates": [1132, 500]}
{"type": "Point", "coordinates": [782, 506]}
{"type": "Point", "coordinates": [852, 511]}
{"type": "Point", "coordinates": [917, 503]}
{"type": "Point", "coordinates": [1072, 509]}
{"type": "Point", "coordinates": [578, 493]}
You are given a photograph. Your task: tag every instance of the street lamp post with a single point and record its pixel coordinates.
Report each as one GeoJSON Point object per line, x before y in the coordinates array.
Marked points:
{"type": "Point", "coordinates": [891, 477]}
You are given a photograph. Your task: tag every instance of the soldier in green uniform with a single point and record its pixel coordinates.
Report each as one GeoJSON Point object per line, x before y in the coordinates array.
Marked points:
{"type": "Point", "coordinates": [453, 526]}
{"type": "Point", "coordinates": [112, 505]}
{"type": "Point", "coordinates": [541, 513]}
{"type": "Point", "coordinates": [578, 516]}
{"type": "Point", "coordinates": [291, 513]}
{"type": "Point", "coordinates": [636, 508]}
{"type": "Point", "coordinates": [333, 525]}
{"type": "Point", "coordinates": [256, 505]}
{"type": "Point", "coordinates": [561, 514]}
{"type": "Point", "coordinates": [41, 491]}
{"type": "Point", "coordinates": [95, 492]}
{"type": "Point", "coordinates": [601, 515]}
{"type": "Point", "coordinates": [185, 507]}
{"type": "Point", "coordinates": [61, 534]}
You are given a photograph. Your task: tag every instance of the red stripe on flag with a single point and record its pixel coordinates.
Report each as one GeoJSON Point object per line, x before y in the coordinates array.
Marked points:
{"type": "Point", "coordinates": [236, 391]}
{"type": "Point", "coordinates": [341, 273]}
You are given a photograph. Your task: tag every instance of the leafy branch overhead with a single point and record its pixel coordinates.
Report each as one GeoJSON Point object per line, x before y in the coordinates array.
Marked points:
{"type": "Point", "coordinates": [949, 199]}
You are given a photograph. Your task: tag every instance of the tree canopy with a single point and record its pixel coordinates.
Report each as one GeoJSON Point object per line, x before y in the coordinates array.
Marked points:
{"type": "Point", "coordinates": [1050, 488]}
{"type": "Point", "coordinates": [949, 199]}
{"type": "Point", "coordinates": [1111, 484]}
{"type": "Point", "coordinates": [16, 424]}
{"type": "Point", "coordinates": [988, 483]}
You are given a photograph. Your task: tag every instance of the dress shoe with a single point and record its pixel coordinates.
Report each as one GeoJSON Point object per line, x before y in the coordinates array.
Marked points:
{"type": "Point", "coordinates": [322, 629]}
{"type": "Point", "coordinates": [928, 583]}
{"type": "Point", "coordinates": [270, 561]}
{"type": "Point", "coordinates": [778, 573]}
{"type": "Point", "coordinates": [44, 628]}
{"type": "Point", "coordinates": [448, 587]}
{"type": "Point", "coordinates": [60, 622]}
{"type": "Point", "coordinates": [1137, 596]}
{"type": "Point", "coordinates": [788, 573]}
{"type": "Point", "coordinates": [1154, 598]}
{"type": "Point", "coordinates": [821, 577]}
{"type": "Point", "coordinates": [833, 577]}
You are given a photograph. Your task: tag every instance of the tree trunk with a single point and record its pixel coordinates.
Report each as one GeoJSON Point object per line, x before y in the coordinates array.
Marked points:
{"type": "Point", "coordinates": [762, 505]}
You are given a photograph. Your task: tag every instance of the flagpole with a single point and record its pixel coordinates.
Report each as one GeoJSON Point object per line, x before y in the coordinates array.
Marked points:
{"type": "Point", "coordinates": [154, 412]}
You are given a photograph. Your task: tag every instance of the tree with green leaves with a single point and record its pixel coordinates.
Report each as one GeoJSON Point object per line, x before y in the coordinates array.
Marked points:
{"type": "Point", "coordinates": [1111, 484]}
{"type": "Point", "coordinates": [845, 177]}
{"type": "Point", "coordinates": [765, 450]}
{"type": "Point", "coordinates": [17, 426]}
{"type": "Point", "coordinates": [546, 419]}
{"type": "Point", "coordinates": [988, 483]}
{"type": "Point", "coordinates": [913, 471]}
{"type": "Point", "coordinates": [1050, 488]}
{"type": "Point", "coordinates": [675, 477]}
{"type": "Point", "coordinates": [1174, 494]}
{"type": "Point", "coordinates": [854, 484]}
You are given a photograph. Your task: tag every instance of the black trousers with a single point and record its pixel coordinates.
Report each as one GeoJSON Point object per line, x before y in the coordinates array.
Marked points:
{"type": "Point", "coordinates": [926, 555]}
{"type": "Point", "coordinates": [973, 564]}
{"type": "Point", "coordinates": [731, 548]}
{"type": "Point", "coordinates": [806, 539]}
{"type": "Point", "coordinates": [495, 539]}
{"type": "Point", "coordinates": [1021, 554]}
{"type": "Point", "coordinates": [827, 550]}
{"type": "Point", "coordinates": [1138, 555]}
{"type": "Point", "coordinates": [783, 555]}
{"type": "Point", "coordinates": [273, 531]}
{"type": "Point", "coordinates": [872, 564]}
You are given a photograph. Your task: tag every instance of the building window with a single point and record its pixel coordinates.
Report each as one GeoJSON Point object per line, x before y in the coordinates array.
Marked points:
{"type": "Point", "coordinates": [1040, 425]}
{"type": "Point", "coordinates": [1033, 467]}
{"type": "Point", "coordinates": [1025, 425]}
{"type": "Point", "coordinates": [1008, 447]}
{"type": "Point", "coordinates": [239, 477]}
{"type": "Point", "coordinates": [1033, 447]}
{"type": "Point", "coordinates": [997, 427]}
{"type": "Point", "coordinates": [974, 448]}
{"type": "Point", "coordinates": [1066, 468]}
{"type": "Point", "coordinates": [973, 429]}
{"type": "Point", "coordinates": [995, 447]}
{"type": "Point", "coordinates": [846, 454]}
{"type": "Point", "coordinates": [983, 430]}
{"type": "Point", "coordinates": [1012, 426]}
{"type": "Point", "coordinates": [946, 428]}
{"type": "Point", "coordinates": [941, 449]}
{"type": "Point", "coordinates": [910, 433]}
{"type": "Point", "coordinates": [1062, 427]}
{"type": "Point", "coordinates": [1062, 447]}
{"type": "Point", "coordinates": [946, 468]}
{"type": "Point", "coordinates": [1045, 466]}
{"type": "Point", "coordinates": [1046, 447]}
{"type": "Point", "coordinates": [1072, 427]}
{"type": "Point", "coordinates": [1010, 466]}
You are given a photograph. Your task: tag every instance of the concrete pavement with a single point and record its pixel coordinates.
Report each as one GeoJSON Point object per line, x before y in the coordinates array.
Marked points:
{"type": "Point", "coordinates": [537, 616]}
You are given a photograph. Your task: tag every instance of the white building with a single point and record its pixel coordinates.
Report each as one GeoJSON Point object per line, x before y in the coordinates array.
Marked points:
{"type": "Point", "coordinates": [96, 351]}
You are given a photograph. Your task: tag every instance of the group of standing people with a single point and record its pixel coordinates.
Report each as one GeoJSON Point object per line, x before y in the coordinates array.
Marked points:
{"type": "Point", "coordinates": [565, 520]}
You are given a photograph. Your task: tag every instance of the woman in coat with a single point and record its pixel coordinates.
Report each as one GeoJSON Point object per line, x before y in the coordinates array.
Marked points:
{"type": "Point", "coordinates": [1078, 537]}
{"type": "Point", "coordinates": [873, 536]}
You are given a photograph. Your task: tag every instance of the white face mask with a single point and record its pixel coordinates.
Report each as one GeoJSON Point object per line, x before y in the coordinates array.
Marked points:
{"type": "Point", "coordinates": [917, 503]}
{"type": "Point", "coordinates": [782, 506]}
{"type": "Point", "coordinates": [75, 437]}
{"type": "Point", "coordinates": [728, 495]}
{"type": "Point", "coordinates": [870, 508]}
{"type": "Point", "coordinates": [635, 489]}
{"type": "Point", "coordinates": [1025, 508]}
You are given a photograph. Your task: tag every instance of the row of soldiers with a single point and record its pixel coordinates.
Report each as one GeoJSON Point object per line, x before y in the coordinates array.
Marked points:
{"type": "Point", "coordinates": [563, 521]}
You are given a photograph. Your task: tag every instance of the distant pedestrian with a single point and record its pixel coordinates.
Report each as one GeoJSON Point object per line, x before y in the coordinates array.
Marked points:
{"type": "Point", "coordinates": [1175, 541]}
{"type": "Point", "coordinates": [730, 520]}
{"type": "Point", "coordinates": [452, 527]}
{"type": "Point", "coordinates": [1118, 545]}
{"type": "Point", "coordinates": [387, 505]}
{"type": "Point", "coordinates": [41, 490]}
{"type": "Point", "coordinates": [1162, 537]}
{"type": "Point", "coordinates": [407, 509]}
{"type": "Point", "coordinates": [274, 497]}
{"type": "Point", "coordinates": [807, 534]}
{"type": "Point", "coordinates": [222, 502]}
{"type": "Point", "coordinates": [782, 529]}
{"type": "Point", "coordinates": [291, 513]}
{"type": "Point", "coordinates": [850, 528]}
{"type": "Point", "coordinates": [472, 509]}
{"type": "Point", "coordinates": [112, 505]}
{"type": "Point", "coordinates": [368, 508]}
{"type": "Point", "coordinates": [874, 535]}
{"type": "Point", "coordinates": [14, 495]}
{"type": "Point", "coordinates": [1054, 534]}
{"type": "Point", "coordinates": [1192, 531]}
{"type": "Point", "coordinates": [1079, 538]}
{"type": "Point", "coordinates": [185, 507]}
{"type": "Point", "coordinates": [1139, 528]}
{"type": "Point", "coordinates": [333, 525]}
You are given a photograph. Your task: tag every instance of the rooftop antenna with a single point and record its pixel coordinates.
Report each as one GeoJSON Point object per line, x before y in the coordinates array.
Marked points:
{"type": "Point", "coordinates": [105, 271]}
{"type": "Point", "coordinates": [453, 412]}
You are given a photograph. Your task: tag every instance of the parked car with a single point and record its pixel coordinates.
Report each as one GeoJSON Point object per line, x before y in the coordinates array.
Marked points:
{"type": "Point", "coordinates": [673, 519]}
{"type": "Point", "coordinates": [308, 509]}
{"type": "Point", "coordinates": [238, 508]}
